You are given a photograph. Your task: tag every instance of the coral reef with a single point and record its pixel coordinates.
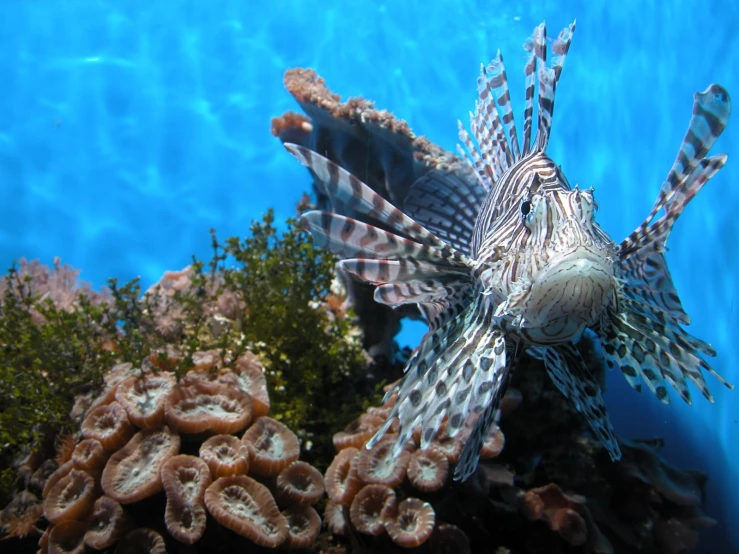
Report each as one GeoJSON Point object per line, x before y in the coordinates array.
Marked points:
{"type": "Point", "coordinates": [154, 428]}
{"type": "Point", "coordinates": [194, 356]}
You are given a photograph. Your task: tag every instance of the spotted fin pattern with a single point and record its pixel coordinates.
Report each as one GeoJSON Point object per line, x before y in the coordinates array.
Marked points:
{"type": "Point", "coordinates": [646, 339]}
{"type": "Point", "coordinates": [570, 375]}
{"type": "Point", "coordinates": [459, 369]}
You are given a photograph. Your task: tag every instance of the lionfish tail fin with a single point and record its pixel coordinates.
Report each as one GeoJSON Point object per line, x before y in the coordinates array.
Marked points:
{"type": "Point", "coordinates": [493, 146]}
{"type": "Point", "coordinates": [646, 339]}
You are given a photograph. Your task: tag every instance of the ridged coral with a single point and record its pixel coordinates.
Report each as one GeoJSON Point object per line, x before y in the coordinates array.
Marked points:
{"type": "Point", "coordinates": [99, 495]}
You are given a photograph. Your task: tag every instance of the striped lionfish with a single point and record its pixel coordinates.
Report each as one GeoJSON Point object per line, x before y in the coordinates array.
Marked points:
{"type": "Point", "coordinates": [512, 261]}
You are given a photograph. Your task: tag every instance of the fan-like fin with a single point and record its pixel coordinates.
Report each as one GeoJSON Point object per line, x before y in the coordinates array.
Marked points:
{"type": "Point", "coordinates": [674, 201]}
{"type": "Point", "coordinates": [570, 375]}
{"type": "Point", "coordinates": [447, 204]}
{"type": "Point", "coordinates": [348, 237]}
{"type": "Point", "coordinates": [357, 196]}
{"type": "Point", "coordinates": [457, 371]}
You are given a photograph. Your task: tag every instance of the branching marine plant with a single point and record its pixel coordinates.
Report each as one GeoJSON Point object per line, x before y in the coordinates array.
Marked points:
{"type": "Point", "coordinates": [265, 293]}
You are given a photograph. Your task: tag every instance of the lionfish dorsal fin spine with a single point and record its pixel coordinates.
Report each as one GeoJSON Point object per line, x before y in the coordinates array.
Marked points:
{"type": "Point", "coordinates": [536, 46]}
{"type": "Point", "coordinates": [497, 85]}
{"type": "Point", "coordinates": [493, 146]}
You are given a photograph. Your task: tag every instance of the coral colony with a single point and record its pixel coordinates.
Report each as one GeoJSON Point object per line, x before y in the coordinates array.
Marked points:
{"type": "Point", "coordinates": [193, 417]}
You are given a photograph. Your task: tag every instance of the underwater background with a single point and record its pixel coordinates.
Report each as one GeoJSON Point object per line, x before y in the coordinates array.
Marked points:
{"type": "Point", "coordinates": [127, 131]}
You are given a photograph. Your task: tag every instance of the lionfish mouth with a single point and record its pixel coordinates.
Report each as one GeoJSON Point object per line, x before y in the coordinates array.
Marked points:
{"type": "Point", "coordinates": [573, 288]}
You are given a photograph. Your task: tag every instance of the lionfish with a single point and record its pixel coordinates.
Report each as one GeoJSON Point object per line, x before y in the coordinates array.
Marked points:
{"type": "Point", "coordinates": [512, 261]}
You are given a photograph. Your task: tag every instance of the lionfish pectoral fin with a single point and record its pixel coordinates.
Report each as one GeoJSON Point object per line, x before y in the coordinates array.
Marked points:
{"type": "Point", "coordinates": [645, 336]}
{"type": "Point", "coordinates": [447, 202]}
{"type": "Point", "coordinates": [489, 387]}
{"type": "Point", "coordinates": [570, 375]}
{"type": "Point", "coordinates": [358, 197]}
{"type": "Point", "coordinates": [711, 109]}
{"type": "Point", "coordinates": [458, 372]}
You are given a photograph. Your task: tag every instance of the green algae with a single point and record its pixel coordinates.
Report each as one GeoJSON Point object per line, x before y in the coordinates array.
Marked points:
{"type": "Point", "coordinates": [273, 286]}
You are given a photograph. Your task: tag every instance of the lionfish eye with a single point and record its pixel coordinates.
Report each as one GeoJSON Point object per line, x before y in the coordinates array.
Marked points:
{"type": "Point", "coordinates": [526, 207]}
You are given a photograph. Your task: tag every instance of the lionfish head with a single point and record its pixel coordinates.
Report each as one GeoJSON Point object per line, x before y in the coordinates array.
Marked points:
{"type": "Point", "coordinates": [571, 275]}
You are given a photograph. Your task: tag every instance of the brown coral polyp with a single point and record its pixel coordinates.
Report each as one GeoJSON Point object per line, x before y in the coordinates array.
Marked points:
{"type": "Point", "coordinates": [185, 480]}
{"type": "Point", "coordinates": [272, 447]}
{"type": "Point", "coordinates": [558, 510]}
{"type": "Point", "coordinates": [141, 540]}
{"type": "Point", "coordinates": [303, 524]}
{"type": "Point", "coordinates": [494, 443]}
{"type": "Point", "coordinates": [225, 455]}
{"type": "Point", "coordinates": [109, 522]}
{"type": "Point", "coordinates": [342, 481]}
{"type": "Point", "coordinates": [144, 398]}
{"type": "Point", "coordinates": [108, 424]}
{"type": "Point", "coordinates": [247, 508]}
{"type": "Point", "coordinates": [412, 524]}
{"type": "Point", "coordinates": [358, 432]}
{"type": "Point", "coordinates": [54, 478]}
{"type": "Point", "coordinates": [132, 473]}
{"type": "Point", "coordinates": [371, 507]}
{"type": "Point", "coordinates": [71, 498]}
{"type": "Point", "coordinates": [449, 538]}
{"type": "Point", "coordinates": [201, 406]}
{"type": "Point", "coordinates": [428, 469]}
{"type": "Point", "coordinates": [335, 516]}
{"type": "Point", "coordinates": [248, 374]}
{"type": "Point", "coordinates": [379, 465]}
{"type": "Point", "coordinates": [89, 455]}
{"type": "Point", "coordinates": [299, 483]}
{"type": "Point", "coordinates": [67, 537]}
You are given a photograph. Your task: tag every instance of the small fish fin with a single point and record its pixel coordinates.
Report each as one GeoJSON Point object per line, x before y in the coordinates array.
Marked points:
{"type": "Point", "coordinates": [441, 310]}
{"type": "Point", "coordinates": [658, 353]}
{"type": "Point", "coordinates": [496, 83]}
{"type": "Point", "coordinates": [341, 185]}
{"type": "Point", "coordinates": [711, 109]}
{"type": "Point", "coordinates": [493, 145]}
{"type": "Point", "coordinates": [546, 107]}
{"type": "Point", "coordinates": [570, 375]}
{"type": "Point", "coordinates": [647, 281]}
{"type": "Point", "coordinates": [470, 456]}
{"type": "Point", "coordinates": [689, 173]}
{"type": "Point", "coordinates": [447, 204]}
{"type": "Point", "coordinates": [395, 295]}
{"type": "Point", "coordinates": [560, 47]}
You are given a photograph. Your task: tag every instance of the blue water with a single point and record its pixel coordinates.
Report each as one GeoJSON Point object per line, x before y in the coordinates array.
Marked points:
{"type": "Point", "coordinates": [127, 132]}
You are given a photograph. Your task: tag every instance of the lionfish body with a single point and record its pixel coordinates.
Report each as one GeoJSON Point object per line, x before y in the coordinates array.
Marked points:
{"type": "Point", "coordinates": [512, 261]}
